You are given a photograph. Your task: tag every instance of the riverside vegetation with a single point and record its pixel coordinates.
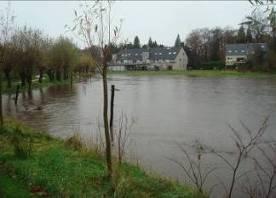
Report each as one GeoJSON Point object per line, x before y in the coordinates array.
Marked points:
{"type": "Point", "coordinates": [35, 164]}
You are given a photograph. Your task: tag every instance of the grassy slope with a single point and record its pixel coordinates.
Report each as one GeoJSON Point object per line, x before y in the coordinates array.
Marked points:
{"type": "Point", "coordinates": [197, 73]}
{"type": "Point", "coordinates": [60, 171]}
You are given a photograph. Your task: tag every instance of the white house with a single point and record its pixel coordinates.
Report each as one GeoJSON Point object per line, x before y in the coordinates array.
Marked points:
{"type": "Point", "coordinates": [150, 59]}
{"type": "Point", "coordinates": [239, 53]}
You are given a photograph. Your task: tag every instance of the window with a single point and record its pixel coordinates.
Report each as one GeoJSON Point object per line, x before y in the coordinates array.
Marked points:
{"type": "Point", "coordinates": [236, 51]}
{"type": "Point", "coordinates": [136, 54]}
{"type": "Point", "coordinates": [155, 53]}
{"type": "Point", "coordinates": [160, 53]}
{"type": "Point", "coordinates": [170, 53]}
{"type": "Point", "coordinates": [230, 51]}
{"type": "Point", "coordinates": [242, 51]}
{"type": "Point", "coordinates": [174, 52]}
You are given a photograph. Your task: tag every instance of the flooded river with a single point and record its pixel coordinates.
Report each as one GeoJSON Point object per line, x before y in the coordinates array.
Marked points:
{"type": "Point", "coordinates": [164, 111]}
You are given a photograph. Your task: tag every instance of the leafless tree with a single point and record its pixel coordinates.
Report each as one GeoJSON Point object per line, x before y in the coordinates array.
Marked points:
{"type": "Point", "coordinates": [243, 148]}
{"type": "Point", "coordinates": [93, 25]}
{"type": "Point", "coordinates": [265, 170]}
{"type": "Point", "coordinates": [192, 165]}
{"type": "Point", "coordinates": [122, 134]}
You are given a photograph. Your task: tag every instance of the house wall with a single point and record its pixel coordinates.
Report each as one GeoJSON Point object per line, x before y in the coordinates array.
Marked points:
{"type": "Point", "coordinates": [117, 68]}
{"type": "Point", "coordinates": [181, 60]}
{"type": "Point", "coordinates": [232, 60]}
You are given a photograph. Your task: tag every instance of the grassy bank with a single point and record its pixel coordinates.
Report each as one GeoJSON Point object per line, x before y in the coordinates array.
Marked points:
{"type": "Point", "coordinates": [34, 164]}
{"type": "Point", "coordinates": [197, 73]}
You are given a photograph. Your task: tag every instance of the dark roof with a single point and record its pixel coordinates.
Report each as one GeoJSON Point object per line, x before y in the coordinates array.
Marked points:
{"type": "Point", "coordinates": [166, 53]}
{"type": "Point", "coordinates": [131, 54]}
{"type": "Point", "coordinates": [243, 48]}
{"type": "Point", "coordinates": [160, 53]}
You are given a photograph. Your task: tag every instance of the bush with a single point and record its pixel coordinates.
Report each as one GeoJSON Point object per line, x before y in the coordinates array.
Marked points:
{"type": "Point", "coordinates": [212, 65]}
{"type": "Point", "coordinates": [22, 145]}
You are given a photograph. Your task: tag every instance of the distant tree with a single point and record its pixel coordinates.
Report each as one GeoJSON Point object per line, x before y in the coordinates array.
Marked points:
{"type": "Point", "coordinates": [136, 42]}
{"type": "Point", "coordinates": [229, 36]}
{"type": "Point", "coordinates": [241, 35]}
{"type": "Point", "coordinates": [249, 37]}
{"type": "Point", "coordinates": [216, 52]}
{"type": "Point", "coordinates": [150, 43]}
{"type": "Point", "coordinates": [177, 41]}
{"type": "Point", "coordinates": [85, 63]}
{"type": "Point", "coordinates": [114, 48]}
{"type": "Point", "coordinates": [63, 56]}
{"type": "Point", "coordinates": [154, 44]}
{"type": "Point", "coordinates": [145, 46]}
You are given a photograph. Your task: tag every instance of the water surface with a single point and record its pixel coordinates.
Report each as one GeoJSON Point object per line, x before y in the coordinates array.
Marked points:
{"type": "Point", "coordinates": [165, 111]}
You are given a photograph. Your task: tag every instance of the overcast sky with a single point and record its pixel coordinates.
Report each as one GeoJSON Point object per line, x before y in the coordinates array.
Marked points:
{"type": "Point", "coordinates": [162, 20]}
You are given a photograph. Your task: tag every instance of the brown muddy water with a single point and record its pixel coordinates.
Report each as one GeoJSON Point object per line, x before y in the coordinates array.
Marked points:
{"type": "Point", "coordinates": [164, 111]}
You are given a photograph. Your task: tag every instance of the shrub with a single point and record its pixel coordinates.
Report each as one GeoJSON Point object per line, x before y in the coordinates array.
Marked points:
{"type": "Point", "coordinates": [22, 145]}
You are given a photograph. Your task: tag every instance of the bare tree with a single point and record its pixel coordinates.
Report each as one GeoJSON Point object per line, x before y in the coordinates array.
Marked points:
{"type": "Point", "coordinates": [265, 170]}
{"type": "Point", "coordinates": [93, 24]}
{"type": "Point", "coordinates": [192, 165]}
{"type": "Point", "coordinates": [6, 27]}
{"type": "Point", "coordinates": [122, 136]}
{"type": "Point", "coordinates": [243, 148]}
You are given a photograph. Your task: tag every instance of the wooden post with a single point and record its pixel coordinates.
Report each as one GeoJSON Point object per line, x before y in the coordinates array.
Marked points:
{"type": "Point", "coordinates": [16, 94]}
{"type": "Point", "coordinates": [111, 112]}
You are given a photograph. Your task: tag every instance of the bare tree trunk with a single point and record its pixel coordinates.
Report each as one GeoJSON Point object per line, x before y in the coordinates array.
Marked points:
{"type": "Point", "coordinates": [8, 77]}
{"type": "Point", "coordinates": [16, 94]}
{"type": "Point", "coordinates": [23, 78]}
{"type": "Point", "coordinates": [1, 105]}
{"type": "Point", "coordinates": [105, 117]}
{"type": "Point", "coordinates": [40, 76]}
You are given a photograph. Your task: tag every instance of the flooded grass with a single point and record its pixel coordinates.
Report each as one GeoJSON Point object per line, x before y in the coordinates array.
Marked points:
{"type": "Point", "coordinates": [58, 170]}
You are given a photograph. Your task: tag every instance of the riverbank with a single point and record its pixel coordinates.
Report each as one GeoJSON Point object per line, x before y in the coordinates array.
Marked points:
{"type": "Point", "coordinates": [35, 164]}
{"type": "Point", "coordinates": [197, 73]}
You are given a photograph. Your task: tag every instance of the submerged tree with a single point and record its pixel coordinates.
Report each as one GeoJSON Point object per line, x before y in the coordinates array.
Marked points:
{"type": "Point", "coordinates": [93, 25]}
{"type": "Point", "coordinates": [6, 28]}
{"type": "Point", "coordinates": [62, 57]}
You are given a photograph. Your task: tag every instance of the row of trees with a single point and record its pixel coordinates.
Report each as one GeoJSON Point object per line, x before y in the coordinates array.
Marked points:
{"type": "Point", "coordinates": [28, 52]}
{"type": "Point", "coordinates": [150, 44]}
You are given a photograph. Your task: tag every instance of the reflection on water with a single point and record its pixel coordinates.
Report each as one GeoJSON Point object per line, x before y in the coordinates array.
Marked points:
{"type": "Point", "coordinates": [166, 110]}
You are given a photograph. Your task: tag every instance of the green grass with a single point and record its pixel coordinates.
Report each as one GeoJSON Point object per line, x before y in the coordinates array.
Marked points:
{"type": "Point", "coordinates": [197, 73]}
{"type": "Point", "coordinates": [10, 187]}
{"type": "Point", "coordinates": [58, 170]}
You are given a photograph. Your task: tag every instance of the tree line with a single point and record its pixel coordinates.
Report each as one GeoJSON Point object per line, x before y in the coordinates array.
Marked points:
{"type": "Point", "coordinates": [27, 52]}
